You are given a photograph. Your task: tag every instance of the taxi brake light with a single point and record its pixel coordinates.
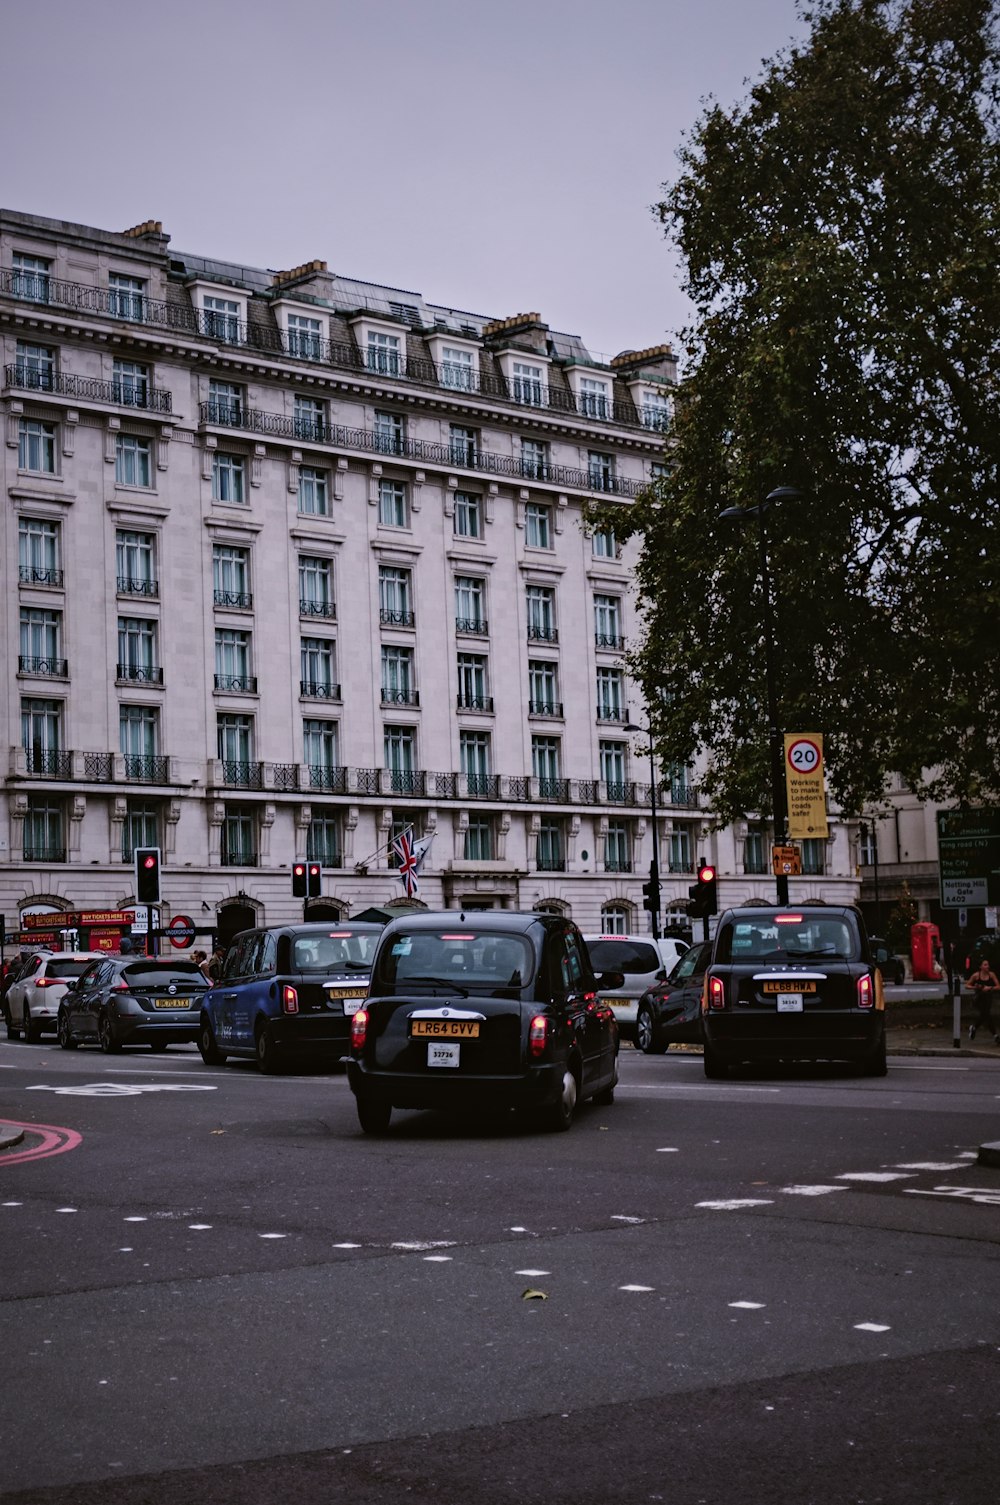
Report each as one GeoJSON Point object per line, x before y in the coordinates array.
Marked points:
{"type": "Point", "coordinates": [788, 919]}
{"type": "Point", "coordinates": [716, 993]}
{"type": "Point", "coordinates": [538, 1035]}
{"type": "Point", "coordinates": [359, 1029]}
{"type": "Point", "coordinates": [289, 1000]}
{"type": "Point", "coordinates": [866, 993]}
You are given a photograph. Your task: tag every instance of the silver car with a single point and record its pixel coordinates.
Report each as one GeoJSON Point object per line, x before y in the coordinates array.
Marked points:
{"type": "Point", "coordinates": [32, 1003]}
{"type": "Point", "coordinates": [643, 961]}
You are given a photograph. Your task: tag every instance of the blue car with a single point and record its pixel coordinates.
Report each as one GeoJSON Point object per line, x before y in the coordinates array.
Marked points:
{"type": "Point", "coordinates": [288, 992]}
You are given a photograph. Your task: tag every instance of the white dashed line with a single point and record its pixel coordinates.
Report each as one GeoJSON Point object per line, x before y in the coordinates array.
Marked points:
{"type": "Point", "coordinates": [749, 1306]}
{"type": "Point", "coordinates": [199, 1227]}
{"type": "Point", "coordinates": [11, 1204]}
{"type": "Point", "coordinates": [347, 1246]}
{"type": "Point", "coordinates": [810, 1191]}
{"type": "Point", "coordinates": [735, 1203]}
{"type": "Point", "coordinates": [636, 1288]}
{"type": "Point", "coordinates": [437, 1259]}
{"type": "Point", "coordinates": [623, 1217]}
{"type": "Point", "coordinates": [419, 1245]}
{"type": "Point", "coordinates": [874, 1176]}
{"type": "Point", "coordinates": [135, 1220]}
{"type": "Point", "coordinates": [668, 1149]}
{"type": "Point", "coordinates": [272, 1235]}
{"type": "Point", "coordinates": [67, 1209]}
{"type": "Point", "coordinates": [532, 1272]}
{"type": "Point", "coordinates": [930, 1165]}
{"type": "Point", "coordinates": [872, 1327]}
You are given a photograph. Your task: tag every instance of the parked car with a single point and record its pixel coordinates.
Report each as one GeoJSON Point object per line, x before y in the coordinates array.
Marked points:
{"type": "Point", "coordinates": [32, 1002]}
{"type": "Point", "coordinates": [892, 967]}
{"type": "Point", "coordinates": [491, 1010]}
{"type": "Point", "coordinates": [641, 960]}
{"type": "Point", "coordinates": [288, 991]}
{"type": "Point", "coordinates": [133, 1000]}
{"type": "Point", "coordinates": [669, 1013]}
{"type": "Point", "coordinates": [793, 984]}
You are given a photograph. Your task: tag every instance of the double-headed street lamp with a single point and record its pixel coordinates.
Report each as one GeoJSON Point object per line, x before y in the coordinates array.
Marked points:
{"type": "Point", "coordinates": [654, 866]}
{"type": "Point", "coordinates": [779, 803]}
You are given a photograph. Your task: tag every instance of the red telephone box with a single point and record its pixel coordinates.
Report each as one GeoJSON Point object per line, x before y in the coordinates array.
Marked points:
{"type": "Point", "coordinates": [925, 951]}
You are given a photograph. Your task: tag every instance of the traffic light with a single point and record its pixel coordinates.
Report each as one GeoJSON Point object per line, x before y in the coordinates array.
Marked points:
{"type": "Point", "coordinates": [147, 875]}
{"type": "Point", "coordinates": [299, 880]}
{"type": "Point", "coordinates": [314, 880]}
{"type": "Point", "coordinates": [703, 895]}
{"type": "Point", "coordinates": [651, 891]}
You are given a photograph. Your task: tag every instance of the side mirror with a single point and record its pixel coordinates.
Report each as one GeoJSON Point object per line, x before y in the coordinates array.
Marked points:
{"type": "Point", "coordinates": [661, 974]}
{"type": "Point", "coordinates": [71, 985]}
{"type": "Point", "coordinates": [611, 980]}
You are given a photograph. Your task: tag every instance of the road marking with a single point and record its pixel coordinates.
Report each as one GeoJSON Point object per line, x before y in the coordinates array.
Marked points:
{"type": "Point", "coordinates": [874, 1176]}
{"type": "Point", "coordinates": [532, 1272]}
{"type": "Point", "coordinates": [55, 1141]}
{"type": "Point", "coordinates": [668, 1149]}
{"type": "Point", "coordinates": [636, 1288]}
{"type": "Point", "coordinates": [199, 1227]}
{"type": "Point", "coordinates": [735, 1203]}
{"type": "Point", "coordinates": [984, 1195]}
{"type": "Point", "coordinates": [419, 1245]}
{"type": "Point", "coordinates": [347, 1246]}
{"type": "Point", "coordinates": [623, 1217]}
{"type": "Point", "coordinates": [438, 1259]}
{"type": "Point", "coordinates": [810, 1191]}
{"type": "Point", "coordinates": [931, 1165]}
{"type": "Point", "coordinates": [120, 1089]}
{"type": "Point", "coordinates": [749, 1306]}
{"type": "Point", "coordinates": [272, 1235]}
{"type": "Point", "coordinates": [872, 1327]}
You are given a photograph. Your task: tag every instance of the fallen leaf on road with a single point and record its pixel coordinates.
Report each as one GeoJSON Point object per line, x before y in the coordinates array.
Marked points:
{"type": "Point", "coordinates": [530, 1295]}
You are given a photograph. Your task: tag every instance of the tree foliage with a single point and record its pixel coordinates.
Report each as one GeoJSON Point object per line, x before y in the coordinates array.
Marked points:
{"type": "Point", "coordinates": [839, 230]}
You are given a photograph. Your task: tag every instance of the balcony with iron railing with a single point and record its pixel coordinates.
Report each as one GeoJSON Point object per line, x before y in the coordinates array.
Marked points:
{"type": "Point", "coordinates": [137, 585]}
{"type": "Point", "coordinates": [239, 856]}
{"type": "Point", "coordinates": [24, 378]}
{"type": "Point", "coordinates": [42, 665]}
{"type": "Point", "coordinates": [236, 684]}
{"type": "Point", "coordinates": [34, 574]}
{"type": "Point", "coordinates": [405, 781]}
{"type": "Point", "coordinates": [540, 632]}
{"type": "Point", "coordinates": [327, 778]}
{"type": "Point", "coordinates": [267, 340]}
{"type": "Point", "coordinates": [32, 853]}
{"type": "Point", "coordinates": [139, 674]}
{"type": "Point", "coordinates": [550, 708]}
{"type": "Point", "coordinates": [617, 865]}
{"type": "Point", "coordinates": [233, 600]}
{"type": "Point", "coordinates": [240, 774]}
{"type": "Point", "coordinates": [146, 768]}
{"type": "Point", "coordinates": [309, 607]}
{"type": "Point", "coordinates": [392, 618]}
{"type": "Point", "coordinates": [406, 696]}
{"type": "Point", "coordinates": [472, 626]}
{"type": "Point", "coordinates": [551, 864]}
{"type": "Point", "coordinates": [609, 640]}
{"type": "Point", "coordinates": [423, 451]}
{"type": "Point", "coordinates": [48, 761]}
{"type": "Point", "coordinates": [482, 786]}
{"type": "Point", "coordinates": [610, 712]}
{"type": "Point", "coordinates": [474, 703]}
{"type": "Point", "coordinates": [284, 777]}
{"type": "Point", "coordinates": [556, 791]}
{"type": "Point", "coordinates": [319, 689]}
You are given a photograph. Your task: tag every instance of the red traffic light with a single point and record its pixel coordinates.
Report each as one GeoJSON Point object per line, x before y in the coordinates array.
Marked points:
{"type": "Point", "coordinates": [149, 861]}
{"type": "Point", "coordinates": [706, 873]}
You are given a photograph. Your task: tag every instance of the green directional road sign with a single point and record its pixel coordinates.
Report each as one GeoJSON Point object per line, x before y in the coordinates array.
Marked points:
{"type": "Point", "coordinates": [969, 857]}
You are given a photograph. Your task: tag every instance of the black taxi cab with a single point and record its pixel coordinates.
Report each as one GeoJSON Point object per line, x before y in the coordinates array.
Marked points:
{"type": "Point", "coordinates": [487, 1010]}
{"type": "Point", "coordinates": [798, 984]}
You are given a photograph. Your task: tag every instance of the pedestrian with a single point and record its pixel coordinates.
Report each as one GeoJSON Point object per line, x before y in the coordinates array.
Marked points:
{"type": "Point", "coordinates": [125, 946]}
{"type": "Point", "coordinates": [213, 967]}
{"type": "Point", "coordinates": [985, 986]}
{"type": "Point", "coordinates": [200, 959]}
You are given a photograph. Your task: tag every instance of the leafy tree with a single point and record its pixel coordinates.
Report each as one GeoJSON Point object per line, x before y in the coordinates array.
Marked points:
{"type": "Point", "coordinates": [839, 230]}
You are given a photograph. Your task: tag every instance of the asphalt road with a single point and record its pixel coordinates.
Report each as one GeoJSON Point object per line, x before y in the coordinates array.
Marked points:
{"type": "Point", "coordinates": [778, 1288]}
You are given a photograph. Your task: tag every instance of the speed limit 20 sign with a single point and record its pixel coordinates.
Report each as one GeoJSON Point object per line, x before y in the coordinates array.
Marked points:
{"type": "Point", "coordinates": [804, 754]}
{"type": "Point", "coordinates": [805, 785]}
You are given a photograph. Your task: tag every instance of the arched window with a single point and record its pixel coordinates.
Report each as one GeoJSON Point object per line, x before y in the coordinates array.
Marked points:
{"type": "Point", "coordinates": [616, 919]}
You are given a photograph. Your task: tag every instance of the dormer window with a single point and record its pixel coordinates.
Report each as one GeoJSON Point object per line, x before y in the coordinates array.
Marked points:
{"type": "Point", "coordinates": [655, 409]}
{"type": "Point", "coordinates": [222, 313]}
{"type": "Point", "coordinates": [527, 383]}
{"type": "Point", "coordinates": [304, 331]}
{"type": "Point", "coordinates": [126, 297]}
{"type": "Point", "coordinates": [457, 361]}
{"type": "Point", "coordinates": [592, 393]}
{"type": "Point", "coordinates": [384, 353]}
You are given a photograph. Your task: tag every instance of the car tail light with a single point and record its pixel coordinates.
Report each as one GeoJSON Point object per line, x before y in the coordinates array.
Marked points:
{"type": "Point", "coordinates": [289, 1000]}
{"type": "Point", "coordinates": [538, 1035]}
{"type": "Point", "coordinates": [716, 993]}
{"type": "Point", "coordinates": [359, 1029]}
{"type": "Point", "coordinates": [50, 982]}
{"type": "Point", "coordinates": [866, 993]}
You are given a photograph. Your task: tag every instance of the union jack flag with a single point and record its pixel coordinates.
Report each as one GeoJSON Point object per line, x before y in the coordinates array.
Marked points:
{"type": "Point", "coordinates": [409, 862]}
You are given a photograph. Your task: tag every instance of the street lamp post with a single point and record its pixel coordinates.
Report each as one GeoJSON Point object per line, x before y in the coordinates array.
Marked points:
{"type": "Point", "coordinates": [654, 866]}
{"type": "Point", "coordinates": [779, 803]}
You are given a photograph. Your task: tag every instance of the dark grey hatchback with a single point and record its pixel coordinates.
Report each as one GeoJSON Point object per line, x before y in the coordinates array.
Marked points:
{"type": "Point", "coordinates": [489, 1010]}
{"type": "Point", "coordinates": [129, 1000]}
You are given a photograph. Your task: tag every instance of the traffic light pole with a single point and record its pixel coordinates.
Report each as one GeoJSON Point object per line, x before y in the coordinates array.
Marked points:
{"type": "Point", "coordinates": [654, 866]}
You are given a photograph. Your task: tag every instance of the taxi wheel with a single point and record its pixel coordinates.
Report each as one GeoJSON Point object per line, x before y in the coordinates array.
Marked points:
{"type": "Point", "coordinates": [877, 1064]}
{"type": "Point", "coordinates": [210, 1052]}
{"type": "Point", "coordinates": [64, 1034]}
{"type": "Point", "coordinates": [559, 1115]}
{"type": "Point", "coordinates": [374, 1113]}
{"type": "Point", "coordinates": [647, 1034]}
{"type": "Point", "coordinates": [267, 1055]}
{"type": "Point", "coordinates": [105, 1035]}
{"type": "Point", "coordinates": [32, 1032]}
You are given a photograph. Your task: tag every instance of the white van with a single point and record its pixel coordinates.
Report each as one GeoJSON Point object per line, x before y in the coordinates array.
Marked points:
{"type": "Point", "coordinates": [643, 961]}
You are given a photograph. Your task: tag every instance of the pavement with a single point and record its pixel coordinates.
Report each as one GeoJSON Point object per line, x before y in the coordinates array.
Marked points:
{"type": "Point", "coordinates": [924, 1027]}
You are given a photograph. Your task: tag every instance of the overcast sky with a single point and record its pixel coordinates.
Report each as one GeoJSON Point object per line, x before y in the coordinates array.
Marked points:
{"type": "Point", "coordinates": [498, 157]}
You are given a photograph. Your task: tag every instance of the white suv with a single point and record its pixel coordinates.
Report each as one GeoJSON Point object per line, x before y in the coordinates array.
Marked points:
{"type": "Point", "coordinates": [32, 1003]}
{"type": "Point", "coordinates": [643, 961]}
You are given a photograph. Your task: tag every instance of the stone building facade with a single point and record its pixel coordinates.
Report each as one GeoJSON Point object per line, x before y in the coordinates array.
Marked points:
{"type": "Point", "coordinates": [295, 562]}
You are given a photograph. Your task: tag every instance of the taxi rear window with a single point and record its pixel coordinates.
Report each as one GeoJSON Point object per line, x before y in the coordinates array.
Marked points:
{"type": "Point", "coordinates": [623, 956]}
{"type": "Point", "coordinates": [462, 956]}
{"type": "Point", "coordinates": [767, 938]}
{"type": "Point", "coordinates": [337, 952]}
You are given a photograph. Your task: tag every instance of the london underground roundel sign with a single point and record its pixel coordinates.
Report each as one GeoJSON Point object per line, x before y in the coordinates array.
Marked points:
{"type": "Point", "coordinates": [180, 931]}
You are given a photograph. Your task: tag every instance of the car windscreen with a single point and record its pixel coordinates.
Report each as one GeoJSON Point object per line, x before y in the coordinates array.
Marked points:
{"type": "Point", "coordinates": [615, 954]}
{"type": "Point", "coordinates": [164, 975]}
{"type": "Point", "coordinates": [67, 968]}
{"type": "Point", "coordinates": [464, 959]}
{"type": "Point", "coordinates": [787, 938]}
{"type": "Point", "coordinates": [336, 951]}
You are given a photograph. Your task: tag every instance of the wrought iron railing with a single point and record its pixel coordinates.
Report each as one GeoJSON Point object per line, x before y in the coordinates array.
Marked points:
{"type": "Point", "coordinates": [475, 702]}
{"type": "Point", "coordinates": [239, 684]}
{"type": "Point", "coordinates": [368, 780]}
{"type": "Point", "coordinates": [545, 707]}
{"type": "Point", "coordinates": [44, 854]}
{"type": "Point", "coordinates": [146, 768]}
{"type": "Point", "coordinates": [611, 713]}
{"type": "Point", "coordinates": [554, 790]}
{"type": "Point", "coordinates": [140, 674]}
{"type": "Point", "coordinates": [41, 664]}
{"type": "Point", "coordinates": [406, 781]}
{"type": "Point", "coordinates": [242, 775]}
{"type": "Point", "coordinates": [330, 780]}
{"type": "Point", "coordinates": [390, 618]}
{"type": "Point", "coordinates": [57, 765]}
{"type": "Point", "coordinates": [24, 378]}
{"type": "Point", "coordinates": [588, 791]}
{"type": "Point", "coordinates": [519, 788]}
{"type": "Point", "coordinates": [285, 776]}
{"type": "Point", "coordinates": [137, 585]}
{"type": "Point", "coordinates": [540, 634]}
{"type": "Point", "coordinates": [443, 786]}
{"type": "Point", "coordinates": [621, 793]}
{"type": "Point", "coordinates": [237, 600]}
{"type": "Point", "coordinates": [609, 640]}
{"type": "Point", "coordinates": [319, 689]}
{"type": "Point", "coordinates": [549, 864]}
{"type": "Point", "coordinates": [33, 574]}
{"type": "Point", "coordinates": [477, 625]}
{"type": "Point", "coordinates": [238, 856]}
{"type": "Point", "coordinates": [483, 786]}
{"type": "Point", "coordinates": [617, 865]}
{"type": "Point", "coordinates": [310, 608]}
{"type": "Point", "coordinates": [400, 697]}
{"type": "Point", "coordinates": [101, 766]}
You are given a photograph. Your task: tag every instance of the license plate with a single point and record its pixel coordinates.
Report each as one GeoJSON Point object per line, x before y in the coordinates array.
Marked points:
{"type": "Point", "coordinates": [789, 1003]}
{"type": "Point", "coordinates": [793, 985]}
{"type": "Point", "coordinates": [441, 1054]}
{"type": "Point", "coordinates": [172, 1003]}
{"type": "Point", "coordinates": [446, 1029]}
{"type": "Point", "coordinates": [351, 1005]}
